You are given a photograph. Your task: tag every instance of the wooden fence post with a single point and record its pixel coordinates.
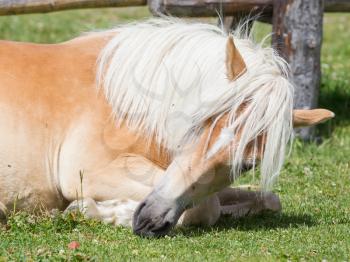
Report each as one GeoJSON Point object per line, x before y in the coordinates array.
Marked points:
{"type": "Point", "coordinates": [297, 35]}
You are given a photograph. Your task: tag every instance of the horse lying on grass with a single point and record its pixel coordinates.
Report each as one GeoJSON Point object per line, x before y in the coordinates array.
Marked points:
{"type": "Point", "coordinates": [181, 110]}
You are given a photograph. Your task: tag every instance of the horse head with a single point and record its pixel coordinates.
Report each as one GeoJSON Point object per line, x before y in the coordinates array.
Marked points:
{"type": "Point", "coordinates": [205, 169]}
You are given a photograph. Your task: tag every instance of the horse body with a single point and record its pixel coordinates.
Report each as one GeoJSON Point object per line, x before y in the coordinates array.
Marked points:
{"type": "Point", "coordinates": [60, 141]}
{"type": "Point", "coordinates": [56, 127]}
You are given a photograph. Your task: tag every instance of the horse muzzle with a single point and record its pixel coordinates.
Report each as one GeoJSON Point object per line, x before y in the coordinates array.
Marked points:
{"type": "Point", "coordinates": [156, 216]}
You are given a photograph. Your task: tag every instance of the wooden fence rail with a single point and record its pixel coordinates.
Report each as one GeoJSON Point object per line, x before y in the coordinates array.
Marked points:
{"type": "Point", "coordinates": [173, 7]}
{"type": "Point", "coordinates": [16, 7]}
{"type": "Point", "coordinates": [194, 8]}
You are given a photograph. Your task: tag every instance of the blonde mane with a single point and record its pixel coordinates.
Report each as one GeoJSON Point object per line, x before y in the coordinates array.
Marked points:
{"type": "Point", "coordinates": [165, 78]}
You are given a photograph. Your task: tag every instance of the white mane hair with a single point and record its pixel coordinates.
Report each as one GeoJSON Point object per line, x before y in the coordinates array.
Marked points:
{"type": "Point", "coordinates": [165, 78]}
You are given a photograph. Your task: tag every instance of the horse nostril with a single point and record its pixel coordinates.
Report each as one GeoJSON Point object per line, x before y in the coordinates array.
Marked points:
{"type": "Point", "coordinates": [155, 216]}
{"type": "Point", "coordinates": [139, 208]}
{"type": "Point", "coordinates": [148, 223]}
{"type": "Point", "coordinates": [138, 220]}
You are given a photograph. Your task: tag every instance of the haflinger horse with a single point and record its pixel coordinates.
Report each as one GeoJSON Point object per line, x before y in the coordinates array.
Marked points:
{"type": "Point", "coordinates": [146, 124]}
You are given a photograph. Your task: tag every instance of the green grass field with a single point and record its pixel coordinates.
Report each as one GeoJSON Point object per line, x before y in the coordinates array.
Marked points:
{"type": "Point", "coordinates": [314, 185]}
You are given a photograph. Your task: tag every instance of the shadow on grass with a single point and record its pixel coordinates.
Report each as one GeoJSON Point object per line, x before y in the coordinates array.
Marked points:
{"type": "Point", "coordinates": [254, 223]}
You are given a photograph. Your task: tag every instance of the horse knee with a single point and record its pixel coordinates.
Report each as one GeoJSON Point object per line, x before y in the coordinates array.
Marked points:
{"type": "Point", "coordinates": [207, 213]}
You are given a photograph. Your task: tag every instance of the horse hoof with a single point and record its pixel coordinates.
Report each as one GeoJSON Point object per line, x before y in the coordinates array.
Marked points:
{"type": "Point", "coordinates": [272, 202]}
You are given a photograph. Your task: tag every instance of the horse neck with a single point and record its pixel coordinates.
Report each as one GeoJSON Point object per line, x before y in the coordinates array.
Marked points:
{"type": "Point", "coordinates": [122, 140]}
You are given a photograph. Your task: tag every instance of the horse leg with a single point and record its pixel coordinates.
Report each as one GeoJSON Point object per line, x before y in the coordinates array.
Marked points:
{"type": "Point", "coordinates": [239, 202]}
{"type": "Point", "coordinates": [236, 202]}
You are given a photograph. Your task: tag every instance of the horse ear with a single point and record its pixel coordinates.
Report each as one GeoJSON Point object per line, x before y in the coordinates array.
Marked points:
{"type": "Point", "coordinates": [311, 117]}
{"type": "Point", "coordinates": [235, 64]}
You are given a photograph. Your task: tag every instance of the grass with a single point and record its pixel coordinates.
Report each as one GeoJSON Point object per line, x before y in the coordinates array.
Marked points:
{"type": "Point", "coordinates": [314, 185]}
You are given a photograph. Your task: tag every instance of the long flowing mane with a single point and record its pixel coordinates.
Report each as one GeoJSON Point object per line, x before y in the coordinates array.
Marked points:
{"type": "Point", "coordinates": [165, 78]}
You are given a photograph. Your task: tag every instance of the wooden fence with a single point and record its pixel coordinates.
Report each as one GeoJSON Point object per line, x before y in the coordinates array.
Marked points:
{"type": "Point", "coordinates": [297, 27]}
{"type": "Point", "coordinates": [193, 8]}
{"type": "Point", "coordinates": [190, 8]}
